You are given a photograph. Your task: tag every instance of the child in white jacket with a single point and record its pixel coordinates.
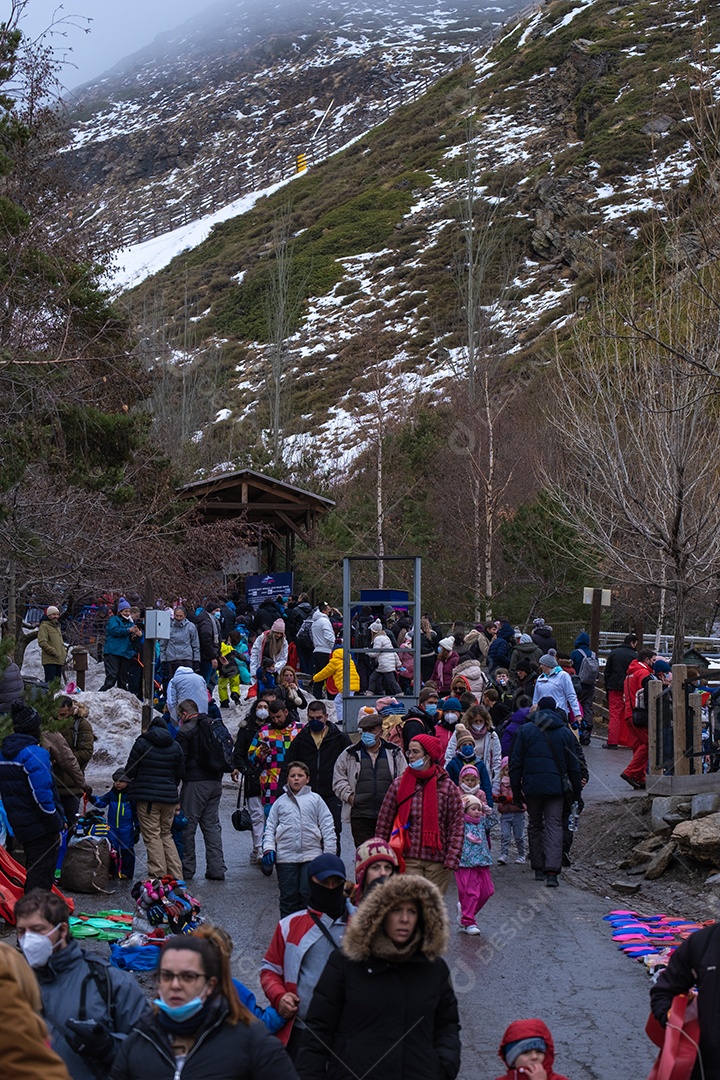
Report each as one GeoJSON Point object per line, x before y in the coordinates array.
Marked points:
{"type": "Point", "coordinates": [298, 829]}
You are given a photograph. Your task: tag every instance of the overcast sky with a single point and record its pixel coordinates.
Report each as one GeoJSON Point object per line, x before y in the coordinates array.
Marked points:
{"type": "Point", "coordinates": [118, 28]}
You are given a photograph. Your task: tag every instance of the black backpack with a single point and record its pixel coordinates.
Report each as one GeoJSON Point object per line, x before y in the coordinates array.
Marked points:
{"type": "Point", "coordinates": [304, 635]}
{"type": "Point", "coordinates": [215, 745]}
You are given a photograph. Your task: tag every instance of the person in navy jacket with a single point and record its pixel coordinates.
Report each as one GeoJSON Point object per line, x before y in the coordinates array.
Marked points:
{"type": "Point", "coordinates": [30, 797]}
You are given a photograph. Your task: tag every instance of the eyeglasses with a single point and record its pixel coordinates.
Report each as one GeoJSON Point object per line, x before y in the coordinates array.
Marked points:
{"type": "Point", "coordinates": [187, 978]}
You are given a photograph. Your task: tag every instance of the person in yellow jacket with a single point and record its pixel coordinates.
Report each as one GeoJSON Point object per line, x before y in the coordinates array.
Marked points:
{"type": "Point", "coordinates": [333, 673]}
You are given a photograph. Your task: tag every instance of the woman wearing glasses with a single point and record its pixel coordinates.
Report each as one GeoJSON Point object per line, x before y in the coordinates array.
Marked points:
{"type": "Point", "coordinates": [199, 1029]}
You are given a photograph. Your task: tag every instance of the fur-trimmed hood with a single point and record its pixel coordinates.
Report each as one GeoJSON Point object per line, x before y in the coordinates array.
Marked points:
{"type": "Point", "coordinates": [357, 944]}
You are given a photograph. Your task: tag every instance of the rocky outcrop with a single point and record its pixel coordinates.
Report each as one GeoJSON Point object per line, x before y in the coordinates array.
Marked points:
{"type": "Point", "coordinates": [700, 839]}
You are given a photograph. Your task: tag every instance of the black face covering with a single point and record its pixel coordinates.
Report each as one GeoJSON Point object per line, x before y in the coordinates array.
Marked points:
{"type": "Point", "coordinates": [330, 901]}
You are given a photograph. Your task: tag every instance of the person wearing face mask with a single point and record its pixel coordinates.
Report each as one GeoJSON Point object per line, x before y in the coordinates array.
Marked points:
{"type": "Point", "coordinates": [268, 751]}
{"type": "Point", "coordinates": [479, 723]}
{"type": "Point", "coordinates": [247, 730]}
{"type": "Point", "coordinates": [449, 714]}
{"type": "Point", "coordinates": [88, 1004]}
{"type": "Point", "coordinates": [466, 754]}
{"type": "Point", "coordinates": [421, 718]}
{"type": "Point", "coordinates": [118, 650]}
{"type": "Point", "coordinates": [182, 648]}
{"type": "Point", "coordinates": [199, 1028]}
{"type": "Point", "coordinates": [319, 744]}
{"type": "Point", "coordinates": [384, 1006]}
{"type": "Point", "coordinates": [375, 863]}
{"type": "Point", "coordinates": [208, 625]}
{"type": "Point", "coordinates": [271, 645]}
{"type": "Point", "coordinates": [301, 946]}
{"type": "Point", "coordinates": [363, 774]}
{"type": "Point", "coordinates": [445, 665]}
{"type": "Point", "coordinates": [424, 808]}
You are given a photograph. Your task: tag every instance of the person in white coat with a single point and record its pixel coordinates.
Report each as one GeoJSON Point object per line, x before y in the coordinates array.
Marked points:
{"type": "Point", "coordinates": [487, 743]}
{"type": "Point", "coordinates": [323, 637]}
{"type": "Point", "coordinates": [555, 683]}
{"type": "Point", "coordinates": [383, 680]}
{"type": "Point", "coordinates": [272, 643]}
{"type": "Point", "coordinates": [299, 828]}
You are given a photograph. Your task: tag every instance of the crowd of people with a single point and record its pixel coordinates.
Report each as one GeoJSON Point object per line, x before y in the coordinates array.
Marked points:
{"type": "Point", "coordinates": [354, 974]}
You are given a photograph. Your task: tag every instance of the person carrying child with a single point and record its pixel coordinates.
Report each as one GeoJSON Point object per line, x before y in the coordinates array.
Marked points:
{"type": "Point", "coordinates": [528, 1050]}
{"type": "Point", "coordinates": [472, 877]}
{"type": "Point", "coordinates": [466, 754]}
{"type": "Point", "coordinates": [512, 818]}
{"type": "Point", "coordinates": [299, 828]}
{"type": "Point", "coordinates": [123, 824]}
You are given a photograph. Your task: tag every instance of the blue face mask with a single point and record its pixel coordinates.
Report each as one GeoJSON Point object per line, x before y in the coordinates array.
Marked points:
{"type": "Point", "coordinates": [180, 1012]}
{"type": "Point", "coordinates": [368, 738]}
{"type": "Point", "coordinates": [316, 725]}
{"type": "Point", "coordinates": [431, 709]}
{"type": "Point", "coordinates": [419, 764]}
{"type": "Point", "coordinates": [467, 751]}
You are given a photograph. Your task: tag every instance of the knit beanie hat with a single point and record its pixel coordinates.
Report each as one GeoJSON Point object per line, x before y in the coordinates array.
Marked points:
{"type": "Point", "coordinates": [469, 773]}
{"type": "Point", "coordinates": [525, 639]}
{"type": "Point", "coordinates": [121, 777]}
{"type": "Point", "coordinates": [25, 720]}
{"type": "Point", "coordinates": [123, 605]}
{"type": "Point", "coordinates": [463, 736]}
{"type": "Point", "coordinates": [447, 643]}
{"type": "Point", "coordinates": [452, 704]}
{"type": "Point", "coordinates": [548, 661]}
{"type": "Point", "coordinates": [661, 667]}
{"type": "Point", "coordinates": [278, 627]}
{"type": "Point", "coordinates": [513, 1050]}
{"type": "Point", "coordinates": [427, 692]}
{"type": "Point", "coordinates": [524, 665]}
{"type": "Point", "coordinates": [52, 610]}
{"type": "Point", "coordinates": [375, 627]}
{"type": "Point", "coordinates": [431, 745]}
{"type": "Point", "coordinates": [469, 801]}
{"type": "Point", "coordinates": [373, 851]}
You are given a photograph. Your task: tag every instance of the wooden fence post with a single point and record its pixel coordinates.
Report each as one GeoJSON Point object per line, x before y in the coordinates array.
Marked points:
{"type": "Point", "coordinates": [654, 690]}
{"type": "Point", "coordinates": [695, 702]}
{"type": "Point", "coordinates": [681, 764]}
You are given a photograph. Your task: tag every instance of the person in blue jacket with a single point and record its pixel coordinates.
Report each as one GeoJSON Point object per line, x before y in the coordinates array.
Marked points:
{"type": "Point", "coordinates": [30, 797]}
{"type": "Point", "coordinates": [122, 821]}
{"type": "Point", "coordinates": [119, 648]}
{"type": "Point", "coordinates": [465, 755]}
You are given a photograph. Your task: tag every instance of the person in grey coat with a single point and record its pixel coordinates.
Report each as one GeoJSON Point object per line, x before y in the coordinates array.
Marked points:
{"type": "Point", "coordinates": [12, 687]}
{"type": "Point", "coordinates": [88, 1005]}
{"type": "Point", "coordinates": [182, 648]}
{"type": "Point", "coordinates": [186, 684]}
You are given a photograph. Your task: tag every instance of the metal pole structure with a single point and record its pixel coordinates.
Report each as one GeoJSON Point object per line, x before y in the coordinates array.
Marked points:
{"type": "Point", "coordinates": [595, 620]}
{"type": "Point", "coordinates": [417, 615]}
{"type": "Point", "coordinates": [347, 636]}
{"type": "Point", "coordinates": [148, 666]}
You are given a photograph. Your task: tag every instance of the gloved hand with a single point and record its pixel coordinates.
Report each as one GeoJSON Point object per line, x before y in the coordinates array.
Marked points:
{"type": "Point", "coordinates": [267, 862]}
{"type": "Point", "coordinates": [91, 1039]}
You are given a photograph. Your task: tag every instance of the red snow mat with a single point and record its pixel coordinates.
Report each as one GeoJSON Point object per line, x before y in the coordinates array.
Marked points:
{"type": "Point", "coordinates": [12, 887]}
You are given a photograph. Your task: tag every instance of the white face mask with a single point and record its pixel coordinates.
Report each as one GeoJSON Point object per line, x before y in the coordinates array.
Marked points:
{"type": "Point", "coordinates": [262, 714]}
{"type": "Point", "coordinates": [38, 948]}
{"type": "Point", "coordinates": [451, 717]}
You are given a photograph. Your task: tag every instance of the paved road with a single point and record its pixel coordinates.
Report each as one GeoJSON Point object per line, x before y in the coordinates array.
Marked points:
{"type": "Point", "coordinates": [543, 953]}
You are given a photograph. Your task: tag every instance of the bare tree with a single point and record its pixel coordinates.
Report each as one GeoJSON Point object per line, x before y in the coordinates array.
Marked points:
{"type": "Point", "coordinates": [481, 275]}
{"type": "Point", "coordinates": [638, 470]}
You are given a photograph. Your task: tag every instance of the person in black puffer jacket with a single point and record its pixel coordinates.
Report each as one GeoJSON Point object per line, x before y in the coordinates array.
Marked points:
{"type": "Point", "coordinates": [544, 751]}
{"type": "Point", "coordinates": [220, 1039]}
{"type": "Point", "coordinates": [384, 1005]}
{"type": "Point", "coordinates": [156, 766]}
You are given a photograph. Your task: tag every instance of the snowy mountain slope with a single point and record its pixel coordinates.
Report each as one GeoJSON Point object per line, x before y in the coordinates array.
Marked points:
{"type": "Point", "coordinates": [580, 125]}
{"type": "Point", "coordinates": [217, 107]}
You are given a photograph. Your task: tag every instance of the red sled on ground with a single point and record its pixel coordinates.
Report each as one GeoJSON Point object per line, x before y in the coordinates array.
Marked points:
{"type": "Point", "coordinates": [12, 887]}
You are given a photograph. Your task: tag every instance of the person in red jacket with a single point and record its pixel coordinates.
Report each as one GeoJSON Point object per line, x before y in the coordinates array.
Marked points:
{"type": "Point", "coordinates": [639, 672]}
{"type": "Point", "coordinates": [429, 813]}
{"type": "Point", "coordinates": [528, 1050]}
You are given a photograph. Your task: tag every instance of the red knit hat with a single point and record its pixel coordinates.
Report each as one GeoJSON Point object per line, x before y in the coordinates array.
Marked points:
{"type": "Point", "coordinates": [373, 851]}
{"type": "Point", "coordinates": [431, 745]}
